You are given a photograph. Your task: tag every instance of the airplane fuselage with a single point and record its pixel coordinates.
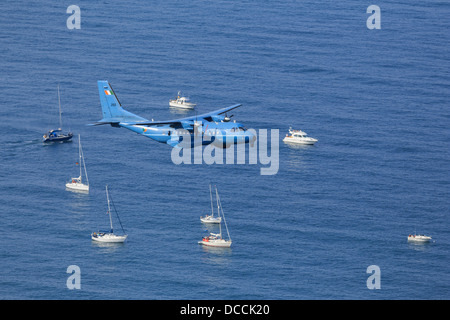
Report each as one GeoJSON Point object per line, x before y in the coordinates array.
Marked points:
{"type": "Point", "coordinates": [220, 133]}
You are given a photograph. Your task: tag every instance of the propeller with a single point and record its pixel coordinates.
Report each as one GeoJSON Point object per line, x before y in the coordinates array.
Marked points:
{"type": "Point", "coordinates": [196, 125]}
{"type": "Point", "coordinates": [227, 118]}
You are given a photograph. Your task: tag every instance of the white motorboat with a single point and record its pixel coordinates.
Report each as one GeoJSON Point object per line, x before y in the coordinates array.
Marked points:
{"type": "Point", "coordinates": [105, 236]}
{"type": "Point", "coordinates": [298, 137]}
{"type": "Point", "coordinates": [216, 239]}
{"type": "Point", "coordinates": [76, 184]}
{"type": "Point", "coordinates": [181, 102]}
{"type": "Point", "coordinates": [211, 218]}
{"type": "Point", "coordinates": [419, 238]}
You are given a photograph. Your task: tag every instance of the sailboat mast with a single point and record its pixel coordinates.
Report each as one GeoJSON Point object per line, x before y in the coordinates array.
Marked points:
{"type": "Point", "coordinates": [85, 172]}
{"type": "Point", "coordinates": [225, 221]}
{"type": "Point", "coordinates": [109, 208]}
{"type": "Point", "coordinates": [84, 165]}
{"type": "Point", "coordinates": [218, 212]}
{"type": "Point", "coordinates": [82, 160]}
{"type": "Point", "coordinates": [79, 152]}
{"type": "Point", "coordinates": [59, 104]}
{"type": "Point", "coordinates": [210, 195]}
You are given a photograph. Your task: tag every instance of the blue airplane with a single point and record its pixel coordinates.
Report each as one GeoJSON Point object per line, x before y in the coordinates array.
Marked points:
{"type": "Point", "coordinates": [214, 126]}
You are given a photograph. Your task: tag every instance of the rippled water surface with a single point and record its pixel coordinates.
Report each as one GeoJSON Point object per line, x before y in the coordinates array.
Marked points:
{"type": "Point", "coordinates": [377, 100]}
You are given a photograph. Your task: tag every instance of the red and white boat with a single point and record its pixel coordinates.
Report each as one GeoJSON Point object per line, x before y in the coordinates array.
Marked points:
{"type": "Point", "coordinates": [419, 238]}
{"type": "Point", "coordinates": [216, 239]}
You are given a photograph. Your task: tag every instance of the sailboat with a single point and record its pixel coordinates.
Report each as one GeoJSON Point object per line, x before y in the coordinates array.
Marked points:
{"type": "Point", "coordinates": [76, 184]}
{"type": "Point", "coordinates": [211, 218]}
{"type": "Point", "coordinates": [216, 239]}
{"type": "Point", "coordinates": [57, 135]}
{"type": "Point", "coordinates": [104, 236]}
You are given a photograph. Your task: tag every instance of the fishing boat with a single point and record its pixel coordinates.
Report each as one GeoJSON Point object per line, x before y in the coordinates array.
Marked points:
{"type": "Point", "coordinates": [211, 218]}
{"type": "Point", "coordinates": [419, 238]}
{"type": "Point", "coordinates": [216, 239]}
{"type": "Point", "coordinates": [76, 184]}
{"type": "Point", "coordinates": [57, 135]}
{"type": "Point", "coordinates": [181, 102]}
{"type": "Point", "coordinates": [298, 137]}
{"type": "Point", "coordinates": [109, 236]}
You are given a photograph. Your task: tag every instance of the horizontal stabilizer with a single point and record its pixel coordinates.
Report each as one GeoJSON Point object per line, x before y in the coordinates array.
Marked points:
{"type": "Point", "coordinates": [99, 123]}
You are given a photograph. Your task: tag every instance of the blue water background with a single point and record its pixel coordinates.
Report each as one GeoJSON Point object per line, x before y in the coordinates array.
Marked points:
{"type": "Point", "coordinates": [377, 100]}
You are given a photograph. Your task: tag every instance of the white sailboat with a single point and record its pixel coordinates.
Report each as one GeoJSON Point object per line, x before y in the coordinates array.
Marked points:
{"type": "Point", "coordinates": [211, 218]}
{"type": "Point", "coordinates": [216, 239]}
{"type": "Point", "coordinates": [104, 236]}
{"type": "Point", "coordinates": [76, 184]}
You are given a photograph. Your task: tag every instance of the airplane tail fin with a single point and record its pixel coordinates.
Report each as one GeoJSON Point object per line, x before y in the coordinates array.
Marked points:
{"type": "Point", "coordinates": [112, 110]}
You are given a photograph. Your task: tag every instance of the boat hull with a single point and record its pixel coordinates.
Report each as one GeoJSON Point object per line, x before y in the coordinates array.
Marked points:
{"type": "Point", "coordinates": [209, 219]}
{"type": "Point", "coordinates": [186, 105]}
{"type": "Point", "coordinates": [216, 243]}
{"type": "Point", "coordinates": [300, 141]}
{"type": "Point", "coordinates": [108, 237]}
{"type": "Point", "coordinates": [414, 238]}
{"type": "Point", "coordinates": [60, 138]}
{"type": "Point", "coordinates": [77, 186]}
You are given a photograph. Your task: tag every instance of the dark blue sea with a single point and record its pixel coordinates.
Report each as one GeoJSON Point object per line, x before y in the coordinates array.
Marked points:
{"type": "Point", "coordinates": [377, 100]}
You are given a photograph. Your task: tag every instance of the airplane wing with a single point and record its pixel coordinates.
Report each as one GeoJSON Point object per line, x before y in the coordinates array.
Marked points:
{"type": "Point", "coordinates": [178, 122]}
{"type": "Point", "coordinates": [115, 115]}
